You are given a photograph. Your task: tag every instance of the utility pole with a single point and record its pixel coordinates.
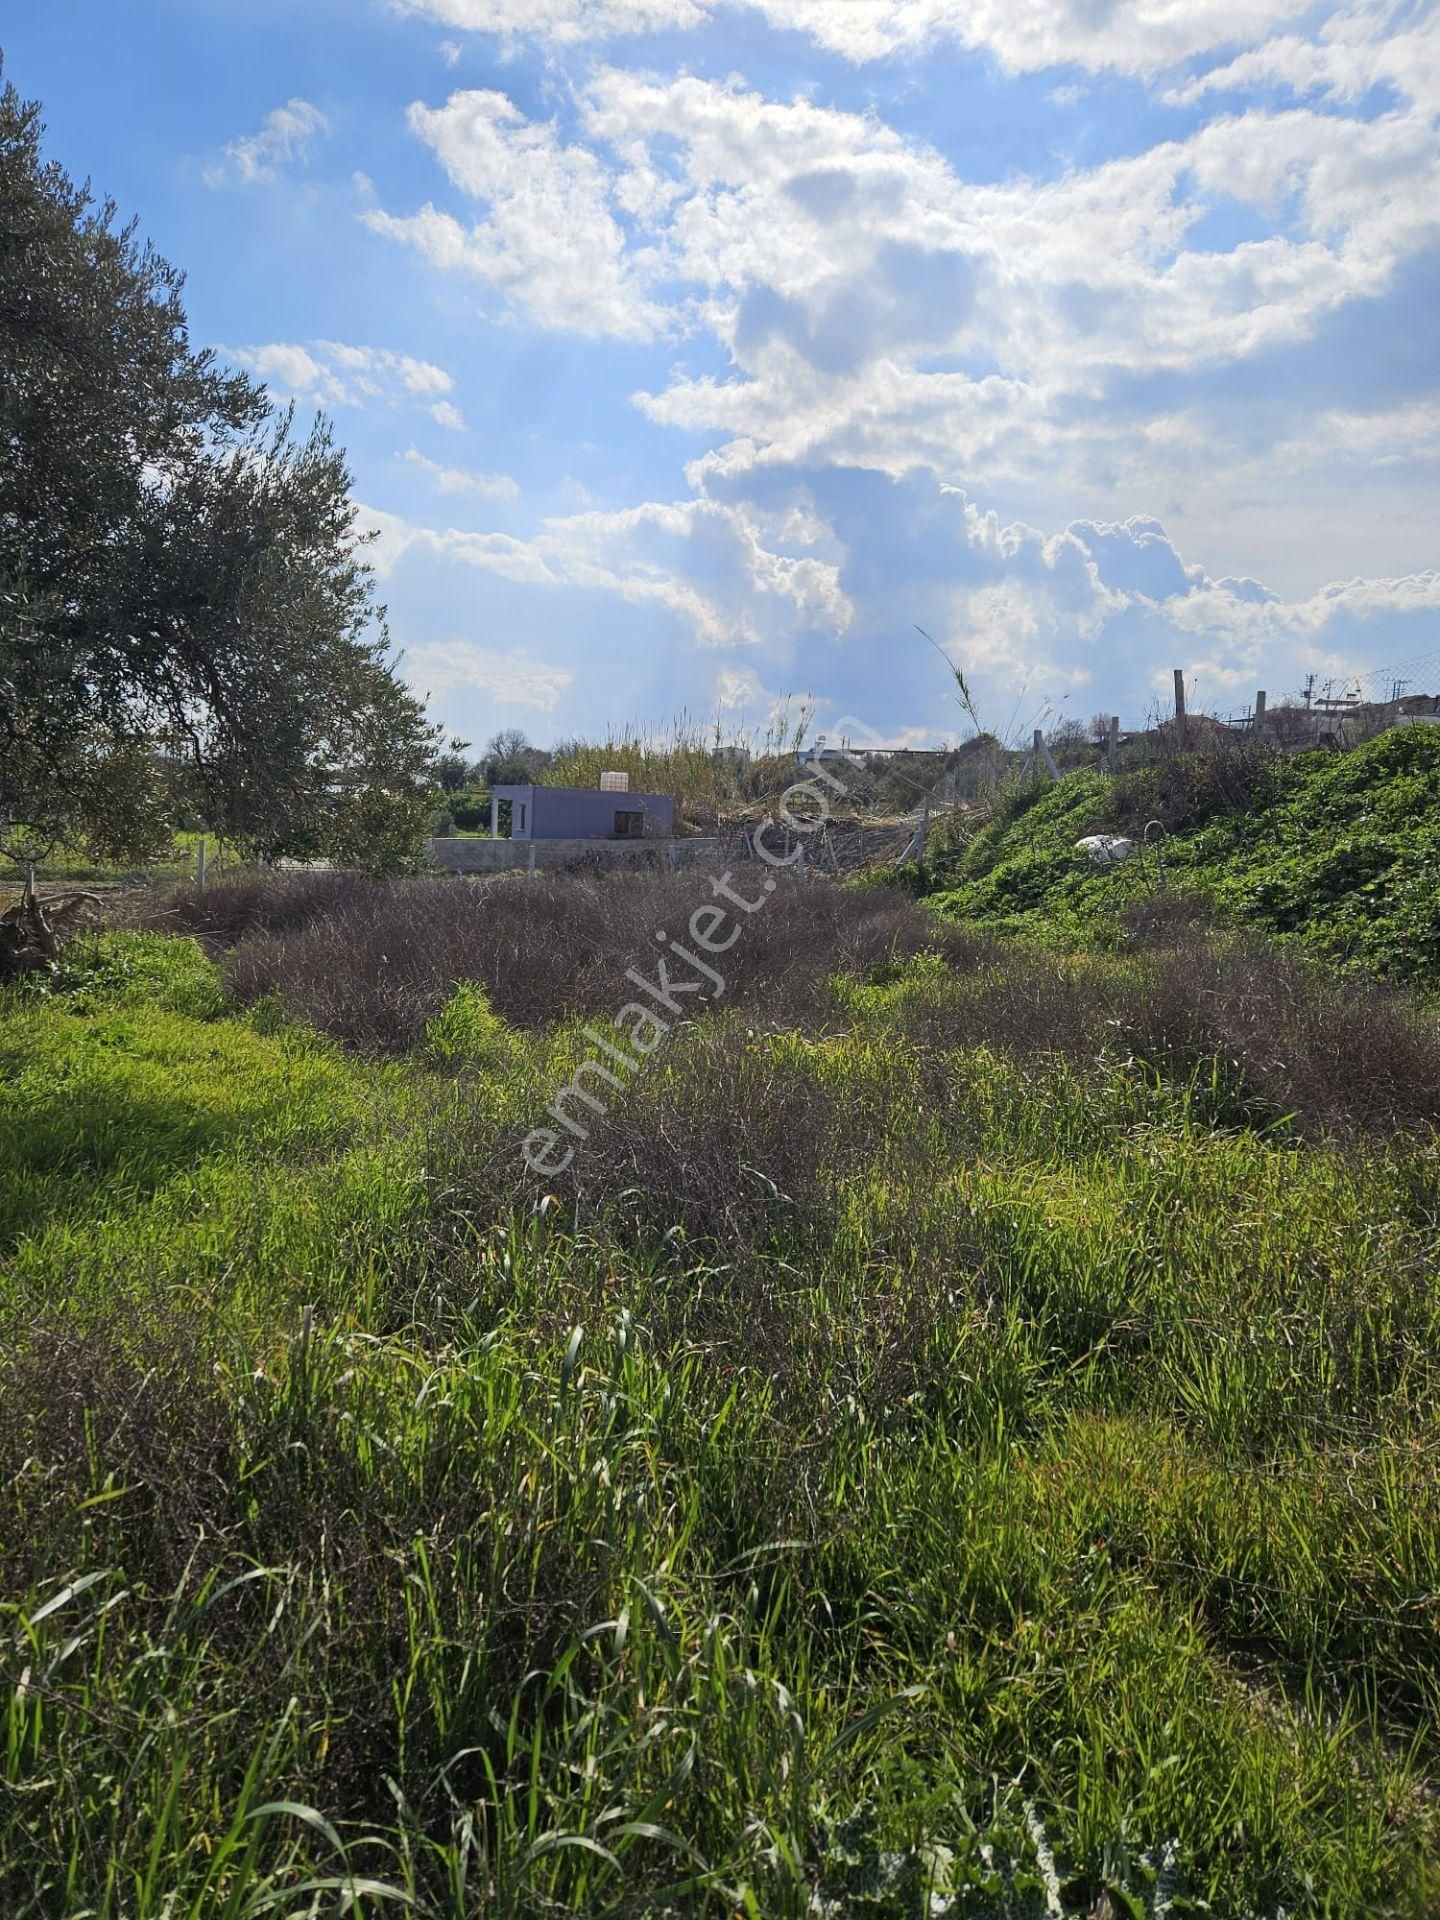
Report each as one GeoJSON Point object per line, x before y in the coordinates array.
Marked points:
{"type": "Point", "coordinates": [1260, 711]}
{"type": "Point", "coordinates": [1180, 708]}
{"type": "Point", "coordinates": [1112, 743]}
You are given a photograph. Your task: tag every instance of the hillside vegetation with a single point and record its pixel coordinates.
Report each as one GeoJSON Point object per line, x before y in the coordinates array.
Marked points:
{"type": "Point", "coordinates": [1337, 852]}
{"type": "Point", "coordinates": [960, 1439]}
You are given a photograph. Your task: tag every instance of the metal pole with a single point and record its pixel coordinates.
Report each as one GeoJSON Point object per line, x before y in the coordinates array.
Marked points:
{"type": "Point", "coordinates": [1180, 708]}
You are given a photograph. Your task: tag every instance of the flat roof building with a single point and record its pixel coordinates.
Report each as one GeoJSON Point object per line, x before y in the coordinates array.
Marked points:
{"type": "Point", "coordinates": [581, 813]}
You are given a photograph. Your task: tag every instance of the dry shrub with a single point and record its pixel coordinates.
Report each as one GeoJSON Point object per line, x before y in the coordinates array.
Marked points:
{"type": "Point", "coordinates": [1020, 1003]}
{"type": "Point", "coordinates": [1229, 773]}
{"type": "Point", "coordinates": [735, 1141]}
{"type": "Point", "coordinates": [1165, 919]}
{"type": "Point", "coordinates": [1342, 1054]}
{"type": "Point", "coordinates": [375, 966]}
{"type": "Point", "coordinates": [146, 1399]}
{"type": "Point", "coordinates": [252, 901]}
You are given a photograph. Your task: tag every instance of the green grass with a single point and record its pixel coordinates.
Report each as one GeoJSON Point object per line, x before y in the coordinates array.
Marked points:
{"type": "Point", "coordinates": [171, 866]}
{"type": "Point", "coordinates": [1337, 852]}
{"type": "Point", "coordinates": [1036, 1491]}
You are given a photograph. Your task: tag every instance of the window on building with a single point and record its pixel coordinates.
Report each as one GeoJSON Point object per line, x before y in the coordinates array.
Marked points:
{"type": "Point", "coordinates": [629, 823]}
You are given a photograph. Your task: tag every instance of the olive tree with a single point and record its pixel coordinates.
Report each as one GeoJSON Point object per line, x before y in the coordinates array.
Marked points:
{"type": "Point", "coordinates": [187, 622]}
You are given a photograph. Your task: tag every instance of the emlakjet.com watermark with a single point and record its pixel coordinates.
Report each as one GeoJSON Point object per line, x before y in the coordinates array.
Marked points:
{"type": "Point", "coordinates": [682, 977]}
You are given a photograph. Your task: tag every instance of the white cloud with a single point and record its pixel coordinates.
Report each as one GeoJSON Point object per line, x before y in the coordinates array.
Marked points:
{"type": "Point", "coordinates": [872, 308]}
{"type": "Point", "coordinates": [489, 486]}
{"type": "Point", "coordinates": [1131, 36]}
{"type": "Point", "coordinates": [446, 414]}
{"type": "Point", "coordinates": [549, 237]}
{"type": "Point", "coordinates": [451, 52]}
{"type": "Point", "coordinates": [1060, 611]}
{"type": "Point", "coordinates": [1026, 36]}
{"type": "Point", "coordinates": [515, 679]}
{"type": "Point", "coordinates": [1357, 48]}
{"type": "Point", "coordinates": [331, 373]}
{"type": "Point", "coordinates": [836, 261]}
{"type": "Point", "coordinates": [702, 561]}
{"type": "Point", "coordinates": [288, 135]}
{"type": "Point", "coordinates": [564, 21]}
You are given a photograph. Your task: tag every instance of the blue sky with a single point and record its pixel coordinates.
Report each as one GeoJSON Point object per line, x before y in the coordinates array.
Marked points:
{"type": "Point", "coordinates": [691, 353]}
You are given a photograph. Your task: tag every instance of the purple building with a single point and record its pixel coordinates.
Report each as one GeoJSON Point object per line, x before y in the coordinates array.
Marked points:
{"type": "Point", "coordinates": [582, 813]}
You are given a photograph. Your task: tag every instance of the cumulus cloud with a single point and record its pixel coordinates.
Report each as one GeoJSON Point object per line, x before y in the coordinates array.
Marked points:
{"type": "Point", "coordinates": [1035, 618]}
{"type": "Point", "coordinates": [287, 137]}
{"type": "Point", "coordinates": [1356, 48]}
{"type": "Point", "coordinates": [1066, 611]}
{"type": "Point", "coordinates": [704, 562]}
{"type": "Point", "coordinates": [331, 373]}
{"type": "Point", "coordinates": [875, 307]}
{"type": "Point", "coordinates": [859, 307]}
{"type": "Point", "coordinates": [549, 237]}
{"type": "Point", "coordinates": [1022, 35]}
{"type": "Point", "coordinates": [488, 486]}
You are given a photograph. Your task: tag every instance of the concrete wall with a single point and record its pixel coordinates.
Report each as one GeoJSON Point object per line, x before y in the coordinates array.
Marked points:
{"type": "Point", "coordinates": [501, 856]}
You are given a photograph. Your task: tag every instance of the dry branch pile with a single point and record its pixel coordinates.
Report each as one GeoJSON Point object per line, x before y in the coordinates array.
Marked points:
{"type": "Point", "coordinates": [33, 930]}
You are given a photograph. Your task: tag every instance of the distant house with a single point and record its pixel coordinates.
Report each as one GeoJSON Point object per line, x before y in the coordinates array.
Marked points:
{"type": "Point", "coordinates": [581, 813]}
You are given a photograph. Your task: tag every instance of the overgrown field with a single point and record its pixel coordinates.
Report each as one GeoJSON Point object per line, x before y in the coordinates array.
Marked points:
{"type": "Point", "coordinates": [1336, 852]}
{"type": "Point", "coordinates": [961, 1438]}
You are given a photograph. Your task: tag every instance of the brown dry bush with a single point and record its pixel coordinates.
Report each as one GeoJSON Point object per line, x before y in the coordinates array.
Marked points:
{"type": "Point", "coordinates": [1337, 1055]}
{"type": "Point", "coordinates": [373, 967]}
{"type": "Point", "coordinates": [152, 1394]}
{"type": "Point", "coordinates": [1342, 1055]}
{"type": "Point", "coordinates": [1229, 773]}
{"type": "Point", "coordinates": [253, 901]}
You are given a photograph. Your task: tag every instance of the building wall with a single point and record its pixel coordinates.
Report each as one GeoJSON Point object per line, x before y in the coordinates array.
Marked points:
{"type": "Point", "coordinates": [583, 813]}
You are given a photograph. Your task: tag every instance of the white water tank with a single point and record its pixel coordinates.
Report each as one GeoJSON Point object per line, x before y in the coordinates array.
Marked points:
{"type": "Point", "coordinates": [614, 783]}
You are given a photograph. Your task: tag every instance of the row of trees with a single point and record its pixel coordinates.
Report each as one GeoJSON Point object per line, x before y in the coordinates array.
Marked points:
{"type": "Point", "coordinates": [509, 760]}
{"type": "Point", "coordinates": [187, 622]}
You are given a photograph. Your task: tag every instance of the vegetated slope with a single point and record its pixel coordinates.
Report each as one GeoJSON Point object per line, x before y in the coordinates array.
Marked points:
{"type": "Point", "coordinates": [980, 1445]}
{"type": "Point", "coordinates": [1340, 852]}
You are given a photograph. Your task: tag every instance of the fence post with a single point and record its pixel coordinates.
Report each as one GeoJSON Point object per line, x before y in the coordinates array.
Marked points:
{"type": "Point", "coordinates": [1180, 708]}
{"type": "Point", "coordinates": [200, 863]}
